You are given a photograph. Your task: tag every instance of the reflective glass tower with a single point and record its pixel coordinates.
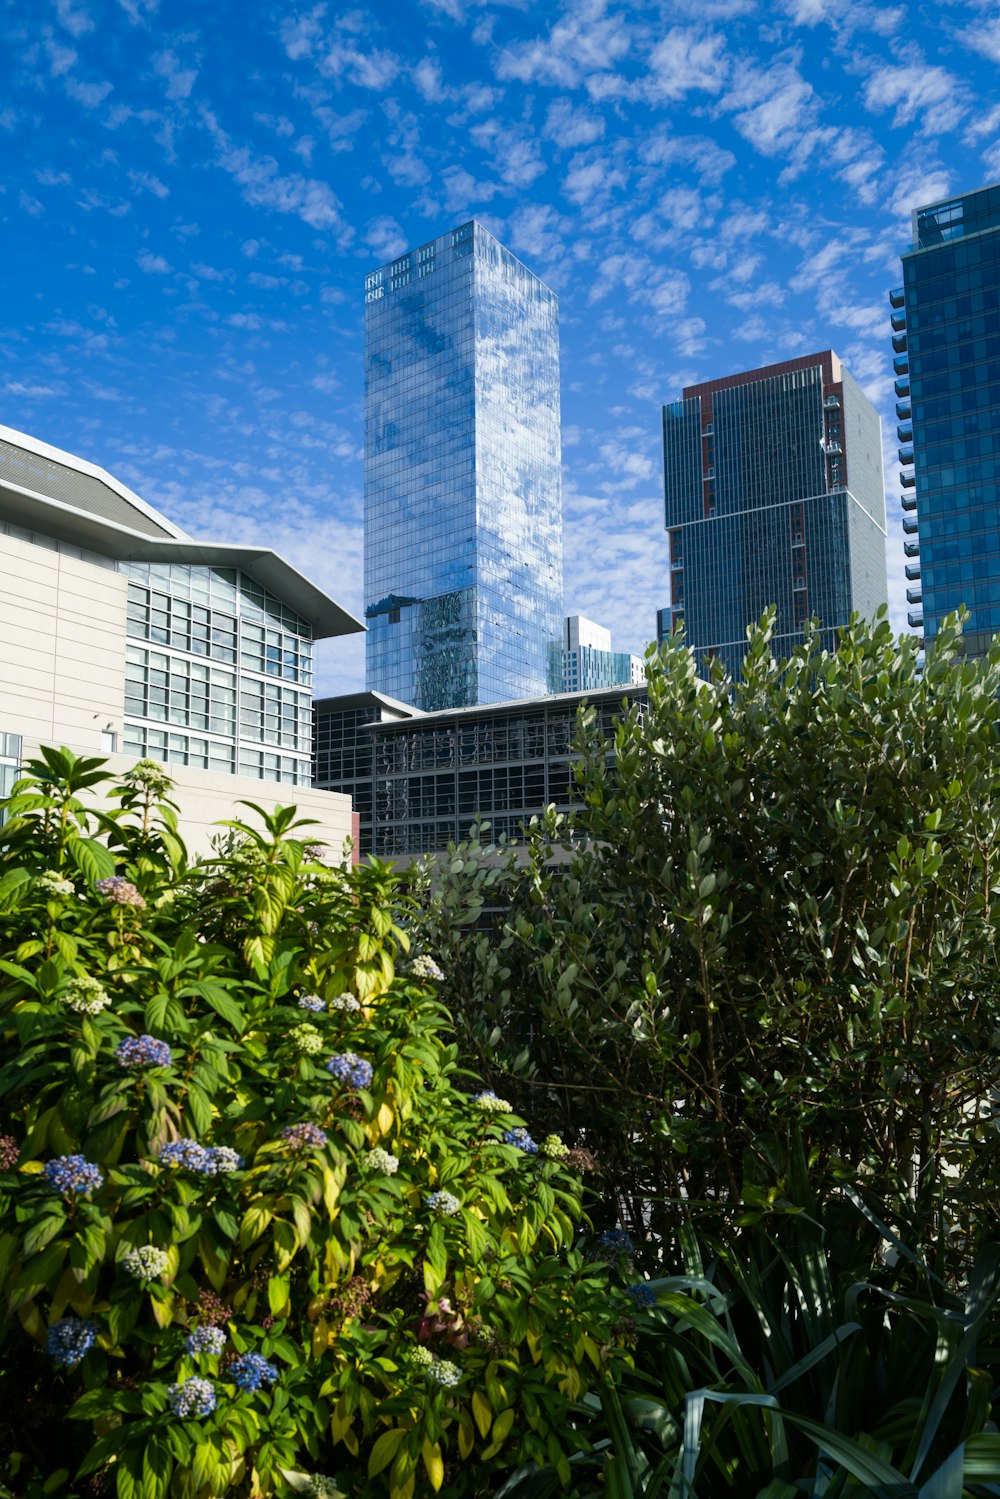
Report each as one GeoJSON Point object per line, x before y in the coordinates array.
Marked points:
{"type": "Point", "coordinates": [774, 495]}
{"type": "Point", "coordinates": [463, 496]}
{"type": "Point", "coordinates": [946, 339]}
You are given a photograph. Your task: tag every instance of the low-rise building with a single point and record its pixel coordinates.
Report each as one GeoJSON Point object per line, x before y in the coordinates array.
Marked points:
{"type": "Point", "coordinates": [427, 776]}
{"type": "Point", "coordinates": [123, 636]}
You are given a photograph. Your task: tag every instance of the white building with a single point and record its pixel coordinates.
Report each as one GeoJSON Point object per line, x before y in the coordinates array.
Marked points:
{"type": "Point", "coordinates": [589, 663]}
{"type": "Point", "coordinates": [121, 635]}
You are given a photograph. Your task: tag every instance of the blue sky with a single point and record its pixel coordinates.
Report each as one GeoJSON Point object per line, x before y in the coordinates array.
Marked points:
{"type": "Point", "coordinates": [191, 195]}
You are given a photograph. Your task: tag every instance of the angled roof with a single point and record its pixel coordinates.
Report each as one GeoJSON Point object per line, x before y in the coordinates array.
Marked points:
{"type": "Point", "coordinates": [57, 494]}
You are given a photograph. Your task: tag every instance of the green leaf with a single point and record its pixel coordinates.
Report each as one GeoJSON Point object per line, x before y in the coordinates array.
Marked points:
{"type": "Point", "coordinates": [385, 1450]}
{"type": "Point", "coordinates": [92, 859]}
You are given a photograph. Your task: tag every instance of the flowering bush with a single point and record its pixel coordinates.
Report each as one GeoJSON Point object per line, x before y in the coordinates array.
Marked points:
{"type": "Point", "coordinates": [234, 1264]}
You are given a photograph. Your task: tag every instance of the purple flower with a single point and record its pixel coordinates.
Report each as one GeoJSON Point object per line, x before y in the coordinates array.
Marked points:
{"type": "Point", "coordinates": [304, 1136]}
{"type": "Point", "coordinates": [205, 1340]}
{"type": "Point", "coordinates": [351, 1069]}
{"type": "Point", "coordinates": [615, 1241]}
{"type": "Point", "coordinates": [250, 1370]}
{"type": "Point", "coordinates": [521, 1140]}
{"type": "Point", "coordinates": [69, 1341]}
{"type": "Point", "coordinates": [72, 1175]}
{"type": "Point", "coordinates": [192, 1397]}
{"type": "Point", "coordinates": [642, 1294]}
{"type": "Point", "coordinates": [312, 1002]}
{"type": "Point", "coordinates": [120, 892]}
{"type": "Point", "coordinates": [209, 1160]}
{"type": "Point", "coordinates": [185, 1153]}
{"type": "Point", "coordinates": [142, 1051]}
{"type": "Point", "coordinates": [10, 1152]}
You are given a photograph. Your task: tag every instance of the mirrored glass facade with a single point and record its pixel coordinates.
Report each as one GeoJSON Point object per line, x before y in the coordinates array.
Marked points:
{"type": "Point", "coordinates": [774, 496]}
{"type": "Point", "coordinates": [218, 673]}
{"type": "Point", "coordinates": [946, 341]}
{"type": "Point", "coordinates": [463, 497]}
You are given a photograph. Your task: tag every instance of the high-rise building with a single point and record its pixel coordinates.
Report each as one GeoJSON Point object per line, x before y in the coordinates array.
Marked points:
{"type": "Point", "coordinates": [946, 339]}
{"type": "Point", "coordinates": [774, 496]}
{"type": "Point", "coordinates": [463, 498]}
{"type": "Point", "coordinates": [587, 661]}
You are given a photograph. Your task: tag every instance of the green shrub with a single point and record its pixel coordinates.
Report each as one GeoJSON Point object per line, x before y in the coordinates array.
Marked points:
{"type": "Point", "coordinates": [255, 1226]}
{"type": "Point", "coordinates": [787, 1366]}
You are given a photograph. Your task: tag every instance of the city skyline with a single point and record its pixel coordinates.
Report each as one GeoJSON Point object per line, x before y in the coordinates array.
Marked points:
{"type": "Point", "coordinates": [191, 200]}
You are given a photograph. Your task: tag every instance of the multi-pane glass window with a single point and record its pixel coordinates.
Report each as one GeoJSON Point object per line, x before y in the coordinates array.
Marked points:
{"type": "Point", "coordinates": [171, 689]}
{"type": "Point", "coordinates": [202, 616]}
{"type": "Point", "coordinates": [951, 297]}
{"type": "Point", "coordinates": [463, 503]}
{"type": "Point", "coordinates": [272, 714]}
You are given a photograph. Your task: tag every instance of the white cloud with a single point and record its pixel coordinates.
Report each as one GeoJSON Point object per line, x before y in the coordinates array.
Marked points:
{"type": "Point", "coordinates": [76, 22]}
{"type": "Point", "coordinates": [263, 185]}
{"type": "Point", "coordinates": [571, 128]}
{"type": "Point", "coordinates": [920, 93]}
{"type": "Point", "coordinates": [33, 392]}
{"type": "Point", "coordinates": [983, 38]}
{"type": "Point", "coordinates": [90, 95]}
{"type": "Point", "coordinates": [179, 79]}
{"type": "Point", "coordinates": [154, 265]}
{"type": "Point", "coordinates": [385, 238]}
{"type": "Point", "coordinates": [687, 60]}
{"type": "Point", "coordinates": [772, 105]}
{"type": "Point", "coordinates": [375, 70]}
{"type": "Point", "coordinates": [580, 46]}
{"type": "Point", "coordinates": [150, 183]}
{"type": "Point", "coordinates": [30, 205]}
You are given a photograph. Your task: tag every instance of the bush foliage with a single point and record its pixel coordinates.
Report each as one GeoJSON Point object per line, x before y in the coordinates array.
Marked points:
{"type": "Point", "coordinates": [775, 917]}
{"type": "Point", "coordinates": [256, 1228]}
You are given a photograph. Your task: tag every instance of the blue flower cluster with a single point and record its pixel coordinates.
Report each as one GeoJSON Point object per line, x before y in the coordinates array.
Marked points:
{"type": "Point", "coordinates": [443, 1203]}
{"type": "Point", "coordinates": [192, 1397]}
{"type": "Point", "coordinates": [72, 1175]}
{"type": "Point", "coordinates": [642, 1294]}
{"type": "Point", "coordinates": [69, 1341]}
{"type": "Point", "coordinates": [312, 1002]}
{"type": "Point", "coordinates": [251, 1370]}
{"type": "Point", "coordinates": [304, 1136]}
{"type": "Point", "coordinates": [209, 1160]}
{"type": "Point", "coordinates": [521, 1140]}
{"type": "Point", "coordinates": [616, 1241]}
{"type": "Point", "coordinates": [205, 1340]}
{"type": "Point", "coordinates": [351, 1069]}
{"type": "Point", "coordinates": [142, 1051]}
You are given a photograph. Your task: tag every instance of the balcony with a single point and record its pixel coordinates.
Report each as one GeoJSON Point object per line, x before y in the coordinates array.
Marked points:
{"type": "Point", "coordinates": [831, 403]}
{"type": "Point", "coordinates": [905, 455]}
{"type": "Point", "coordinates": [912, 573]}
{"type": "Point", "coordinates": [897, 297]}
{"type": "Point", "coordinates": [910, 527]}
{"type": "Point", "coordinates": [832, 448]}
{"type": "Point", "coordinates": [904, 434]}
{"type": "Point", "coordinates": [904, 411]}
{"type": "Point", "coordinates": [901, 365]}
{"type": "Point", "coordinates": [916, 621]}
{"type": "Point", "coordinates": [914, 596]}
{"type": "Point", "coordinates": [908, 501]}
{"type": "Point", "coordinates": [907, 480]}
{"type": "Point", "coordinates": [898, 322]}
{"type": "Point", "coordinates": [899, 343]}
{"type": "Point", "coordinates": [902, 389]}
{"type": "Point", "coordinates": [911, 548]}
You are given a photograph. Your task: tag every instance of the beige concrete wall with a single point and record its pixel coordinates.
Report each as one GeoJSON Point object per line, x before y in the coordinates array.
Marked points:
{"type": "Point", "coordinates": [62, 646]}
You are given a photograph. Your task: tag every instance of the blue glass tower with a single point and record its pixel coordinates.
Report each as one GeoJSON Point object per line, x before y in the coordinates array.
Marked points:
{"type": "Point", "coordinates": [774, 496]}
{"type": "Point", "coordinates": [463, 489]}
{"type": "Point", "coordinates": [946, 338]}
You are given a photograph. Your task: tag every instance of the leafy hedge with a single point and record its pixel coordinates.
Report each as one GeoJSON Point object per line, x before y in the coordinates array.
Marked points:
{"type": "Point", "coordinates": [256, 1227]}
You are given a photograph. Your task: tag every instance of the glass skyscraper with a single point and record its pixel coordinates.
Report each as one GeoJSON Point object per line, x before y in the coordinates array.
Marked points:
{"type": "Point", "coordinates": [773, 488]}
{"type": "Point", "coordinates": [946, 338]}
{"type": "Point", "coordinates": [463, 489]}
